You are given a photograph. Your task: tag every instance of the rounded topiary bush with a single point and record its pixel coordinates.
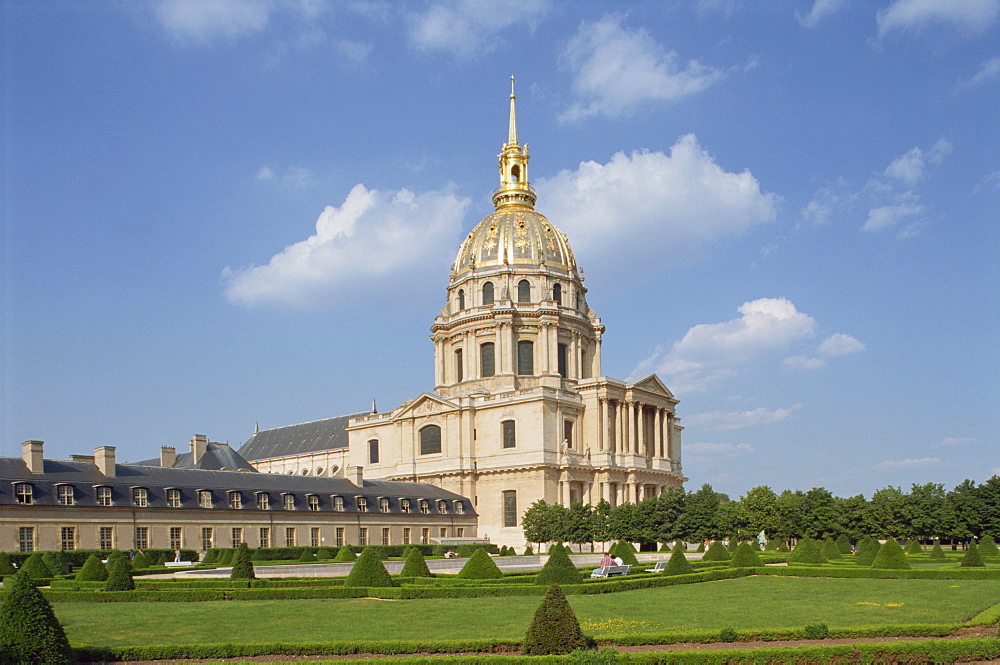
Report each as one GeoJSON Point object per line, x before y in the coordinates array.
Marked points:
{"type": "Point", "coordinates": [867, 551]}
{"type": "Point", "coordinates": [558, 569]}
{"type": "Point", "coordinates": [716, 552]}
{"type": "Point", "coordinates": [93, 570]}
{"type": "Point", "coordinates": [678, 563]}
{"type": "Point", "coordinates": [972, 558]}
{"type": "Point", "coordinates": [415, 565]}
{"type": "Point", "coordinates": [119, 575]}
{"type": "Point", "coordinates": [806, 551]}
{"type": "Point", "coordinates": [988, 548]}
{"type": "Point", "coordinates": [830, 550]}
{"type": "Point", "coordinates": [369, 571]}
{"type": "Point", "coordinates": [891, 557]}
{"type": "Point", "coordinates": [728, 634]}
{"type": "Point", "coordinates": [844, 544]}
{"type": "Point", "coordinates": [701, 547]}
{"type": "Point", "coordinates": [745, 557]}
{"type": "Point", "coordinates": [345, 555]}
{"type": "Point", "coordinates": [242, 564]}
{"type": "Point", "coordinates": [936, 552]}
{"type": "Point", "coordinates": [29, 630]}
{"type": "Point", "coordinates": [480, 566]}
{"type": "Point", "coordinates": [624, 550]}
{"type": "Point", "coordinates": [6, 567]}
{"type": "Point", "coordinates": [35, 568]}
{"type": "Point", "coordinates": [913, 547]}
{"type": "Point", "coordinates": [554, 628]}
{"type": "Point", "coordinates": [816, 631]}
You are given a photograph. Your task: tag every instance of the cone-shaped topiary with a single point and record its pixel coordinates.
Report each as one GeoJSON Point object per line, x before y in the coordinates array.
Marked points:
{"type": "Point", "coordinates": [701, 547]}
{"type": "Point", "coordinates": [678, 563]}
{"type": "Point", "coordinates": [225, 557]}
{"type": "Point", "coordinates": [806, 551]}
{"type": "Point", "coordinates": [307, 556]}
{"type": "Point", "coordinates": [783, 547]}
{"type": "Point", "coordinates": [6, 567]}
{"type": "Point", "coordinates": [480, 567]}
{"type": "Point", "coordinates": [972, 558]}
{"type": "Point", "coordinates": [988, 548]}
{"type": "Point", "coordinates": [558, 569]}
{"type": "Point", "coordinates": [54, 561]}
{"type": "Point", "coordinates": [733, 544]}
{"type": "Point", "coordinates": [891, 557]}
{"type": "Point", "coordinates": [140, 560]}
{"type": "Point", "coordinates": [745, 557]}
{"type": "Point", "coordinates": [755, 546]}
{"type": "Point", "coordinates": [369, 571]}
{"type": "Point", "coordinates": [556, 547]}
{"type": "Point", "coordinates": [665, 547]}
{"type": "Point", "coordinates": [554, 628]}
{"type": "Point", "coordinates": [528, 551]}
{"type": "Point", "coordinates": [772, 545]}
{"type": "Point", "coordinates": [415, 565]}
{"type": "Point", "coordinates": [867, 551]}
{"type": "Point", "coordinates": [211, 556]}
{"type": "Point", "coordinates": [119, 575]}
{"type": "Point", "coordinates": [345, 555]}
{"type": "Point", "coordinates": [844, 544]}
{"type": "Point", "coordinates": [325, 553]}
{"type": "Point", "coordinates": [936, 552]}
{"type": "Point", "coordinates": [830, 550]}
{"type": "Point", "coordinates": [36, 568]}
{"type": "Point", "coordinates": [242, 564]}
{"type": "Point", "coordinates": [626, 552]}
{"type": "Point", "coordinates": [913, 547]}
{"type": "Point", "coordinates": [93, 570]}
{"type": "Point", "coordinates": [464, 551]}
{"type": "Point", "coordinates": [29, 631]}
{"type": "Point", "coordinates": [716, 552]}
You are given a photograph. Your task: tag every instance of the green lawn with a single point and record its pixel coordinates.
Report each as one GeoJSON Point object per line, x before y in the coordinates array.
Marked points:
{"type": "Point", "coordinates": [753, 602]}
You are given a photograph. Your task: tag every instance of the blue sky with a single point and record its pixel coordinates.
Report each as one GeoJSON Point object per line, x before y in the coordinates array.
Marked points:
{"type": "Point", "coordinates": [222, 213]}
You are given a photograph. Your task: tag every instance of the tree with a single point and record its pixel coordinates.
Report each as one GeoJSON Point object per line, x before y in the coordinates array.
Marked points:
{"type": "Point", "coordinates": [790, 509]}
{"type": "Point", "coordinates": [759, 512]}
{"type": "Point", "coordinates": [626, 522]}
{"type": "Point", "coordinates": [820, 513]}
{"type": "Point", "coordinates": [599, 521]}
{"type": "Point", "coordinates": [369, 571]}
{"type": "Point", "coordinates": [850, 518]}
{"type": "Point", "coordinates": [964, 502]}
{"type": "Point", "coordinates": [29, 630]}
{"type": "Point", "coordinates": [670, 506]}
{"type": "Point", "coordinates": [554, 628]}
{"type": "Point", "coordinates": [698, 522]}
{"type": "Point", "coordinates": [926, 512]}
{"type": "Point", "coordinates": [578, 526]}
{"type": "Point", "coordinates": [540, 523]}
{"type": "Point", "coordinates": [242, 564]}
{"type": "Point", "coordinates": [885, 516]}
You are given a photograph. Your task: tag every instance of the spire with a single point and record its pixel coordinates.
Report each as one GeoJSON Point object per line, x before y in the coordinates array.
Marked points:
{"type": "Point", "coordinates": [512, 129]}
{"type": "Point", "coordinates": [514, 190]}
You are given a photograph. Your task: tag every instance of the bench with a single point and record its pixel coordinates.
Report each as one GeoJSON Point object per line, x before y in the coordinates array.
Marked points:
{"type": "Point", "coordinates": [658, 568]}
{"type": "Point", "coordinates": [178, 564]}
{"type": "Point", "coordinates": [610, 571]}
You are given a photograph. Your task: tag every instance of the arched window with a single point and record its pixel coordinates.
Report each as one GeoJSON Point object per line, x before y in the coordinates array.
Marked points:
{"type": "Point", "coordinates": [578, 301]}
{"type": "Point", "coordinates": [515, 173]}
{"type": "Point", "coordinates": [430, 440]}
{"type": "Point", "coordinates": [508, 434]}
{"type": "Point", "coordinates": [525, 358]}
{"type": "Point", "coordinates": [373, 451]}
{"type": "Point", "coordinates": [561, 360]}
{"type": "Point", "coordinates": [524, 291]}
{"type": "Point", "coordinates": [461, 299]}
{"type": "Point", "coordinates": [487, 356]}
{"type": "Point", "coordinates": [488, 293]}
{"type": "Point", "coordinates": [459, 367]}
{"type": "Point", "coordinates": [557, 293]}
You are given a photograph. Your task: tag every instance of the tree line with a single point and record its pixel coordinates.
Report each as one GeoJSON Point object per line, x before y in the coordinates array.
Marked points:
{"type": "Point", "coordinates": [970, 510]}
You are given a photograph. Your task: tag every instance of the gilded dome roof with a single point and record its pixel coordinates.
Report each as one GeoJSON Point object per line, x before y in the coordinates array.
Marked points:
{"type": "Point", "coordinates": [514, 236]}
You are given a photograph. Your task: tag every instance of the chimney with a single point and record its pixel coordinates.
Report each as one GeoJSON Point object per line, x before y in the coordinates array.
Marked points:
{"type": "Point", "coordinates": [199, 443]}
{"type": "Point", "coordinates": [31, 453]}
{"type": "Point", "coordinates": [355, 475]}
{"type": "Point", "coordinates": [168, 455]}
{"type": "Point", "coordinates": [105, 460]}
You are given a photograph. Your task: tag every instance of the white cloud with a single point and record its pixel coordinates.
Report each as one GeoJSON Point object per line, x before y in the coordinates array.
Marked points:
{"type": "Point", "coordinates": [202, 21]}
{"type": "Point", "coordinates": [896, 465]}
{"type": "Point", "coordinates": [615, 70]}
{"type": "Point", "coordinates": [356, 53]}
{"type": "Point", "coordinates": [730, 420]}
{"type": "Point", "coordinates": [469, 27]}
{"type": "Point", "coordinates": [911, 167]}
{"type": "Point", "coordinates": [372, 235]}
{"type": "Point", "coordinates": [839, 344]}
{"type": "Point", "coordinates": [294, 177]}
{"type": "Point", "coordinates": [972, 16]}
{"type": "Point", "coordinates": [989, 71]}
{"type": "Point", "coordinates": [265, 173]}
{"type": "Point", "coordinates": [710, 448]}
{"type": "Point", "coordinates": [957, 441]}
{"type": "Point", "coordinates": [662, 205]}
{"type": "Point", "coordinates": [885, 217]}
{"type": "Point", "coordinates": [820, 10]}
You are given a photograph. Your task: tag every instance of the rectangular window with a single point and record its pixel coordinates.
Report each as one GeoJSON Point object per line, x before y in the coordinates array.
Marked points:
{"type": "Point", "coordinates": [385, 535]}
{"type": "Point", "coordinates": [338, 504]}
{"type": "Point", "coordinates": [404, 505]}
{"type": "Point", "coordinates": [430, 440]}
{"type": "Point", "coordinates": [313, 502]}
{"type": "Point", "coordinates": [425, 536]}
{"type": "Point", "coordinates": [561, 360]}
{"type": "Point", "coordinates": [235, 500]}
{"type": "Point", "coordinates": [67, 538]}
{"type": "Point", "coordinates": [459, 508]}
{"type": "Point", "coordinates": [508, 431]}
{"type": "Point", "coordinates": [26, 539]}
{"type": "Point", "coordinates": [206, 537]}
{"type": "Point", "coordinates": [141, 537]}
{"type": "Point", "coordinates": [204, 499]}
{"type": "Point", "coordinates": [265, 536]}
{"type": "Point", "coordinates": [140, 496]}
{"type": "Point", "coordinates": [362, 504]}
{"type": "Point", "coordinates": [314, 536]}
{"type": "Point", "coordinates": [173, 499]}
{"type": "Point", "coordinates": [443, 507]}
{"type": "Point", "coordinates": [509, 507]}
{"type": "Point", "coordinates": [568, 433]}
{"type": "Point", "coordinates": [289, 500]}
{"type": "Point", "coordinates": [373, 451]}
{"type": "Point", "coordinates": [487, 364]}
{"type": "Point", "coordinates": [175, 538]}
{"type": "Point", "coordinates": [525, 358]}
{"type": "Point", "coordinates": [339, 536]}
{"type": "Point", "coordinates": [237, 535]}
{"type": "Point", "coordinates": [406, 535]}
{"type": "Point", "coordinates": [383, 504]}
{"type": "Point", "coordinates": [459, 369]}
{"type": "Point", "coordinates": [263, 501]}
{"type": "Point", "coordinates": [425, 506]}
{"type": "Point", "coordinates": [25, 494]}
{"type": "Point", "coordinates": [443, 532]}
{"type": "Point", "coordinates": [363, 536]}
{"type": "Point", "coordinates": [289, 536]}
{"type": "Point", "coordinates": [106, 537]}
{"type": "Point", "coordinates": [66, 496]}
{"type": "Point", "coordinates": [460, 531]}
{"type": "Point", "coordinates": [104, 496]}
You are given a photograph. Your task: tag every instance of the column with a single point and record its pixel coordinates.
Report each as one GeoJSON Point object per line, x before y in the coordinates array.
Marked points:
{"type": "Point", "coordinates": [633, 427]}
{"type": "Point", "coordinates": [640, 427]}
{"type": "Point", "coordinates": [600, 423]}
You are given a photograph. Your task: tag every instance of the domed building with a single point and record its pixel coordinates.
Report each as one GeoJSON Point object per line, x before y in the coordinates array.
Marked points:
{"type": "Point", "coordinates": [520, 410]}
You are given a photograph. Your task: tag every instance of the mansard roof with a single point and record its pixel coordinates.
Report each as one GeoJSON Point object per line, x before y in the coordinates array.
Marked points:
{"type": "Point", "coordinates": [217, 457]}
{"type": "Point", "coordinates": [298, 439]}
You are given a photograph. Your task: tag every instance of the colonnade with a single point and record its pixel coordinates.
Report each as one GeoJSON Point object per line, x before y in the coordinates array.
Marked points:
{"type": "Point", "coordinates": [627, 426]}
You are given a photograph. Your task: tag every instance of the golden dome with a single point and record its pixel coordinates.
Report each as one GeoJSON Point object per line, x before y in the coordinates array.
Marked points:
{"type": "Point", "coordinates": [515, 236]}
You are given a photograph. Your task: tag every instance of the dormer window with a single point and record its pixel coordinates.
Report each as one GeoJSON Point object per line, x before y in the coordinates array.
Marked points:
{"type": "Point", "coordinates": [204, 499]}
{"type": "Point", "coordinates": [104, 496]}
{"type": "Point", "coordinates": [235, 500]}
{"type": "Point", "coordinates": [24, 493]}
{"type": "Point", "coordinates": [459, 508]}
{"type": "Point", "coordinates": [338, 504]}
{"type": "Point", "coordinates": [404, 505]}
{"type": "Point", "coordinates": [313, 501]}
{"type": "Point", "coordinates": [173, 499]}
{"type": "Point", "coordinates": [362, 504]}
{"type": "Point", "coordinates": [383, 504]}
{"type": "Point", "coordinates": [289, 501]}
{"type": "Point", "coordinates": [442, 506]}
{"type": "Point", "coordinates": [140, 497]}
{"type": "Point", "coordinates": [425, 506]}
{"type": "Point", "coordinates": [263, 501]}
{"type": "Point", "coordinates": [65, 495]}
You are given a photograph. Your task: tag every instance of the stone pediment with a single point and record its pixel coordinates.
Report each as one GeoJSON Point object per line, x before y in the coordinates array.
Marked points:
{"type": "Point", "coordinates": [653, 384]}
{"type": "Point", "coordinates": [423, 405]}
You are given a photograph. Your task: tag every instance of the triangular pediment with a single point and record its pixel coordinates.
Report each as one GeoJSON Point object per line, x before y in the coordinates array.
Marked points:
{"type": "Point", "coordinates": [653, 384]}
{"type": "Point", "coordinates": [425, 404]}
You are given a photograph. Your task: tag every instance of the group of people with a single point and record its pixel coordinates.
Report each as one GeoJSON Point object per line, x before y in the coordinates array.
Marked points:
{"type": "Point", "coordinates": [608, 560]}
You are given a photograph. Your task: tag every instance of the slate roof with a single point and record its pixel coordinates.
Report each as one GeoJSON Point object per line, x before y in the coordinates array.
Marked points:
{"type": "Point", "coordinates": [217, 456]}
{"type": "Point", "coordinates": [297, 439]}
{"type": "Point", "coordinates": [85, 478]}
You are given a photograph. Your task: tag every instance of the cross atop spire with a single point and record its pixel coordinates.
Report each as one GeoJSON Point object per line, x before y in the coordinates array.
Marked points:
{"type": "Point", "coordinates": [512, 129]}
